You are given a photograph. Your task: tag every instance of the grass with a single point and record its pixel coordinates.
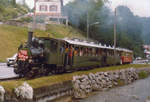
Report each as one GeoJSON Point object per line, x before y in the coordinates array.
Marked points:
{"type": "Point", "coordinates": [120, 82]}
{"type": "Point", "coordinates": [143, 75]}
{"type": "Point", "coordinates": [50, 80]}
{"type": "Point", "coordinates": [61, 31]}
{"type": "Point", "coordinates": [11, 37]}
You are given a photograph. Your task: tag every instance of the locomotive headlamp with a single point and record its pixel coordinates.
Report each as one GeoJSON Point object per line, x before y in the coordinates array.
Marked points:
{"type": "Point", "coordinates": [30, 60]}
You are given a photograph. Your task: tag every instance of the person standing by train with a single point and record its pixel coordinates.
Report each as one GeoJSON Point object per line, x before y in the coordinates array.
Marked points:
{"type": "Point", "coordinates": [71, 52]}
{"type": "Point", "coordinates": [66, 55]}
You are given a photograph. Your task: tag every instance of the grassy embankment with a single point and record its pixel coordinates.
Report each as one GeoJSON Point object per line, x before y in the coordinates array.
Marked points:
{"type": "Point", "coordinates": [11, 37]}
{"type": "Point", "coordinates": [50, 80]}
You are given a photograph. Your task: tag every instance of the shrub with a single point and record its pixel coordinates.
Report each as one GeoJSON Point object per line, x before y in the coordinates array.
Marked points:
{"type": "Point", "coordinates": [26, 19]}
{"type": "Point", "coordinates": [143, 75]}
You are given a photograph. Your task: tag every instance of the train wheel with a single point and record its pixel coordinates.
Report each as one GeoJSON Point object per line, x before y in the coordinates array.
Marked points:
{"type": "Point", "coordinates": [64, 70]}
{"type": "Point", "coordinates": [23, 68]}
{"type": "Point", "coordinates": [33, 73]}
{"type": "Point", "coordinates": [21, 75]}
{"type": "Point", "coordinates": [53, 69]}
{"type": "Point", "coordinates": [30, 74]}
{"type": "Point", "coordinates": [57, 70]}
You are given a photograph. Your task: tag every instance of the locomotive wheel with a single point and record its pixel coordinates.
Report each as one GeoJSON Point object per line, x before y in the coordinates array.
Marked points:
{"type": "Point", "coordinates": [53, 71]}
{"type": "Point", "coordinates": [30, 74]}
{"type": "Point", "coordinates": [63, 70]}
{"type": "Point", "coordinates": [60, 70]}
{"type": "Point", "coordinates": [21, 75]}
{"type": "Point", "coordinates": [57, 71]}
{"type": "Point", "coordinates": [46, 72]}
{"type": "Point", "coordinates": [33, 73]}
{"type": "Point", "coordinates": [22, 68]}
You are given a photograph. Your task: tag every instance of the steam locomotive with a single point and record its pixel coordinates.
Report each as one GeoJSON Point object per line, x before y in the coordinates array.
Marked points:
{"type": "Point", "coordinates": [42, 56]}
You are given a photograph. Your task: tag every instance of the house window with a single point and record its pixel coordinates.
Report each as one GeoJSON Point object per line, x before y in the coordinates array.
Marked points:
{"type": "Point", "coordinates": [53, 8]}
{"type": "Point", "coordinates": [43, 7]}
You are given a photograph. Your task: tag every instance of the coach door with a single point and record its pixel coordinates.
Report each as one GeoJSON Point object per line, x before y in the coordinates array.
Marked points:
{"type": "Point", "coordinates": [60, 53]}
{"type": "Point", "coordinates": [53, 52]}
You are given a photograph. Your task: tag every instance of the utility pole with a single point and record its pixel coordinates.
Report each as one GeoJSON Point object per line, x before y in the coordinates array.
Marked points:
{"type": "Point", "coordinates": [88, 25]}
{"type": "Point", "coordinates": [34, 18]}
{"type": "Point", "coordinates": [23, 2]}
{"type": "Point", "coordinates": [115, 32]}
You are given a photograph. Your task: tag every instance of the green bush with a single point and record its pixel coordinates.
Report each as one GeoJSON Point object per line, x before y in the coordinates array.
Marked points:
{"type": "Point", "coordinates": [143, 75]}
{"type": "Point", "coordinates": [26, 19]}
{"type": "Point", "coordinates": [120, 82]}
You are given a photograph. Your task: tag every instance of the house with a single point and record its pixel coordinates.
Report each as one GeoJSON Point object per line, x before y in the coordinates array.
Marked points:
{"type": "Point", "coordinates": [51, 9]}
{"type": "Point", "coordinates": [146, 50]}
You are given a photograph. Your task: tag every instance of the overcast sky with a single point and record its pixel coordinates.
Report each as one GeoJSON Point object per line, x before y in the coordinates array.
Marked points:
{"type": "Point", "coordinates": [139, 7]}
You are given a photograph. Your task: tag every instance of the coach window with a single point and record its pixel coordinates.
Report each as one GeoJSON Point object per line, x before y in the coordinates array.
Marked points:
{"type": "Point", "coordinates": [100, 52]}
{"type": "Point", "coordinates": [53, 8]}
{"type": "Point", "coordinates": [90, 51]}
{"type": "Point", "coordinates": [81, 51]}
{"type": "Point", "coordinates": [104, 52]}
{"type": "Point", "coordinates": [109, 53]}
{"type": "Point", "coordinates": [119, 53]}
{"type": "Point", "coordinates": [84, 51]}
{"type": "Point", "coordinates": [76, 51]}
{"type": "Point", "coordinates": [93, 51]}
{"type": "Point", "coordinates": [97, 51]}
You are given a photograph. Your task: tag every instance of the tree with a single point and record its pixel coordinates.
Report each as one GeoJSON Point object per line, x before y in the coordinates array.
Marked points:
{"type": "Point", "coordinates": [14, 3]}
{"type": "Point", "coordinates": [128, 26]}
{"type": "Point", "coordinates": [9, 9]}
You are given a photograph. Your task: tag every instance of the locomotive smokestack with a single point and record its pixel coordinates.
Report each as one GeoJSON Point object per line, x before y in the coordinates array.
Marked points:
{"type": "Point", "coordinates": [30, 35]}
